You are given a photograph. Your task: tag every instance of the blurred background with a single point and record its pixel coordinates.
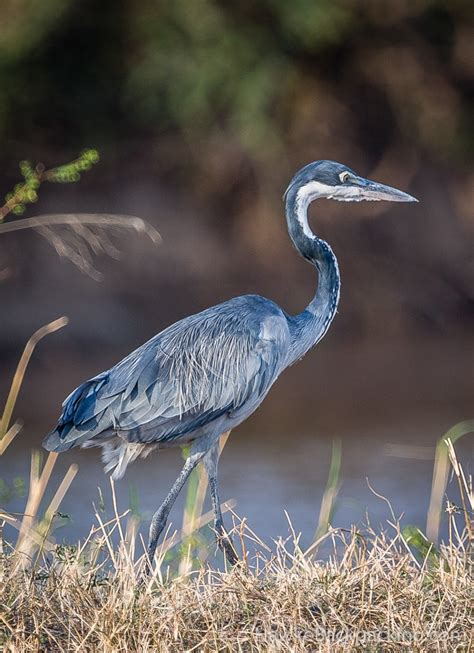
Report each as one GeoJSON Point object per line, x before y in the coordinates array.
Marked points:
{"type": "Point", "coordinates": [202, 111]}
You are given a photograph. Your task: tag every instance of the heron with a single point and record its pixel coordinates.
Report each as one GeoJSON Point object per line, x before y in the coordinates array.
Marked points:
{"type": "Point", "coordinates": [205, 374]}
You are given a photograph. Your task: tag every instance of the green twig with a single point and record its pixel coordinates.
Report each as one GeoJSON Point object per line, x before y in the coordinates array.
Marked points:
{"type": "Point", "coordinates": [26, 192]}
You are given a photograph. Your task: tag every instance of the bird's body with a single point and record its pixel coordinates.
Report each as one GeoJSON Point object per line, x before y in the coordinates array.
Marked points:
{"type": "Point", "coordinates": [201, 376]}
{"type": "Point", "coordinates": [204, 375]}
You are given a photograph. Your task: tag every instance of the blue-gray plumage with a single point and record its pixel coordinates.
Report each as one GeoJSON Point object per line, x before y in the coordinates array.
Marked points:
{"type": "Point", "coordinates": [205, 374]}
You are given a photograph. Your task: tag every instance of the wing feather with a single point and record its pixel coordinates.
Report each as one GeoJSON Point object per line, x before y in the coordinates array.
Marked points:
{"type": "Point", "coordinates": [208, 364]}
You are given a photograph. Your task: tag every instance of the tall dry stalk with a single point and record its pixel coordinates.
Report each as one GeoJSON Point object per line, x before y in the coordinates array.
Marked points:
{"type": "Point", "coordinates": [19, 376]}
{"type": "Point", "coordinates": [331, 491]}
{"type": "Point", "coordinates": [440, 476]}
{"type": "Point", "coordinates": [32, 531]}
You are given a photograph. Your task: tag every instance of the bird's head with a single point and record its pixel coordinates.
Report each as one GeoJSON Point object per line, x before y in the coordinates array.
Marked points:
{"type": "Point", "coordinates": [331, 180]}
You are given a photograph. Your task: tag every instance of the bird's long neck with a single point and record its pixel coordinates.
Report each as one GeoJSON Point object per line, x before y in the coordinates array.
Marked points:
{"type": "Point", "coordinates": [309, 326]}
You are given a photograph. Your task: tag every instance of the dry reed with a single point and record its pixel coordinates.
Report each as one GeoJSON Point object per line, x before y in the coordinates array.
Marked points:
{"type": "Point", "coordinates": [374, 592]}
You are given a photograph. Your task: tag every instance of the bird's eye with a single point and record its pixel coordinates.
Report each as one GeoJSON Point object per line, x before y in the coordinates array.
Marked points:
{"type": "Point", "coordinates": [344, 177]}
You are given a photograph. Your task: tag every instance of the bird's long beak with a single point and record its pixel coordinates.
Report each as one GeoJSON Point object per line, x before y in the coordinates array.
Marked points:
{"type": "Point", "coordinates": [372, 190]}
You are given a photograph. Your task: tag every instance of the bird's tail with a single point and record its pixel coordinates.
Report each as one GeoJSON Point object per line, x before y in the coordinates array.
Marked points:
{"type": "Point", "coordinates": [80, 418]}
{"type": "Point", "coordinates": [54, 441]}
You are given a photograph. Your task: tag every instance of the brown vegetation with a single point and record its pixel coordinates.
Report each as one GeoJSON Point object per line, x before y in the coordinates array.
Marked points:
{"type": "Point", "coordinates": [374, 594]}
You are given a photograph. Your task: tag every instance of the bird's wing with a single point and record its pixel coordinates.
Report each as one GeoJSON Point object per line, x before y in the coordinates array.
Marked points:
{"type": "Point", "coordinates": [215, 362]}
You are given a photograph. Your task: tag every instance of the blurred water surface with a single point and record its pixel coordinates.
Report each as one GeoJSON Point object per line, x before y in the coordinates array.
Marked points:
{"type": "Point", "coordinates": [387, 408]}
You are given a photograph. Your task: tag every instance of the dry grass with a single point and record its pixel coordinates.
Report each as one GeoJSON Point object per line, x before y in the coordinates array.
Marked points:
{"type": "Point", "coordinates": [374, 593]}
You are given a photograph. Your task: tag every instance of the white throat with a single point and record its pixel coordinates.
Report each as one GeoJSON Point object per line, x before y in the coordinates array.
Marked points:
{"type": "Point", "coordinates": [314, 190]}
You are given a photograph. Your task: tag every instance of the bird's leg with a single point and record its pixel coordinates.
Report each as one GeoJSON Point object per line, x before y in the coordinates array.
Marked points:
{"type": "Point", "coordinates": [160, 517]}
{"type": "Point", "coordinates": [224, 541]}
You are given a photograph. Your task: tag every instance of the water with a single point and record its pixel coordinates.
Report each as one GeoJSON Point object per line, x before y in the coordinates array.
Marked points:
{"type": "Point", "coordinates": [278, 461]}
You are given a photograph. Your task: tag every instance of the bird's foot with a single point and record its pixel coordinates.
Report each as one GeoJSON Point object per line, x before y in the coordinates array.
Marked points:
{"type": "Point", "coordinates": [228, 550]}
{"type": "Point", "coordinates": [148, 568]}
{"type": "Point", "coordinates": [225, 544]}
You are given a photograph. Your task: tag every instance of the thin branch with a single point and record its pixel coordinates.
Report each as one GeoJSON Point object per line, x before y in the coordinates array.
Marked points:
{"type": "Point", "coordinates": [98, 219]}
{"type": "Point", "coordinates": [80, 237]}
